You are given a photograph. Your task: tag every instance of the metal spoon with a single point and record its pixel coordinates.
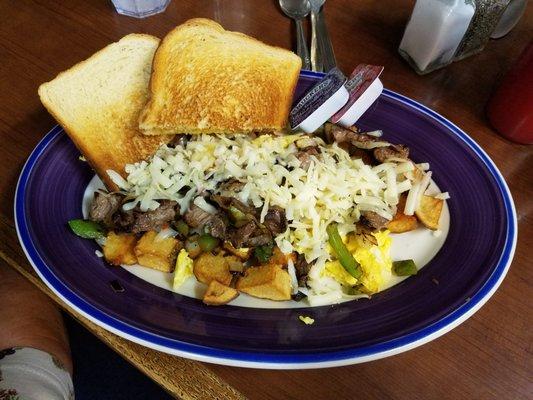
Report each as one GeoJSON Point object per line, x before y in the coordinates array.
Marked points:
{"type": "Point", "coordinates": [324, 42]}
{"type": "Point", "coordinates": [316, 56]}
{"type": "Point", "coordinates": [298, 10]}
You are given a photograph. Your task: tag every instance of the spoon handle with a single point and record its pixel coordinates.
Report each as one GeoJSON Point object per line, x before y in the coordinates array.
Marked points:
{"type": "Point", "coordinates": [315, 49]}
{"type": "Point", "coordinates": [325, 46]}
{"type": "Point", "coordinates": [301, 46]}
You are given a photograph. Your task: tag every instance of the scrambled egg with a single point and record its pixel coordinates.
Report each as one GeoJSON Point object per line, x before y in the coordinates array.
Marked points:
{"type": "Point", "coordinates": [375, 261]}
{"type": "Point", "coordinates": [183, 269]}
{"type": "Point", "coordinates": [306, 320]}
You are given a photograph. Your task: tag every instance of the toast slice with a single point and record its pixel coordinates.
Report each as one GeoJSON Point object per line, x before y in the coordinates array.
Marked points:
{"type": "Point", "coordinates": [98, 103]}
{"type": "Point", "coordinates": [209, 80]}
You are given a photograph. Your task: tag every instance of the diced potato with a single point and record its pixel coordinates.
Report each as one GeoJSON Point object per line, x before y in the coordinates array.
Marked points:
{"type": "Point", "coordinates": [267, 282]}
{"type": "Point", "coordinates": [243, 253]}
{"type": "Point", "coordinates": [429, 211]}
{"type": "Point", "coordinates": [119, 249]}
{"type": "Point", "coordinates": [278, 258]}
{"type": "Point", "coordinates": [235, 264]}
{"type": "Point", "coordinates": [209, 267]}
{"type": "Point", "coordinates": [401, 222]}
{"type": "Point", "coordinates": [157, 253]}
{"type": "Point", "coordinates": [218, 294]}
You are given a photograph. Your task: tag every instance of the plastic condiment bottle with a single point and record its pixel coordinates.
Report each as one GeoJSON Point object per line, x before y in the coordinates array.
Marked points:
{"type": "Point", "coordinates": [510, 110]}
{"type": "Point", "coordinates": [434, 32]}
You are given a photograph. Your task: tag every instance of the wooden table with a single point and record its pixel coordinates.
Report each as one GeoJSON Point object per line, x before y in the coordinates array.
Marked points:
{"type": "Point", "coordinates": [487, 357]}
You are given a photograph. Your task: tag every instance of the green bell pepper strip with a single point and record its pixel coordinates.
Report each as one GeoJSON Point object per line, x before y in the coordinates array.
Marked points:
{"type": "Point", "coordinates": [86, 229]}
{"type": "Point", "coordinates": [207, 242]}
{"type": "Point", "coordinates": [346, 258]}
{"type": "Point", "coordinates": [182, 227]}
{"type": "Point", "coordinates": [404, 268]}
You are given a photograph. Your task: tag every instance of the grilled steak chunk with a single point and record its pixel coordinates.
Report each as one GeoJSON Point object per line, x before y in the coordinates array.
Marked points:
{"type": "Point", "coordinates": [231, 185]}
{"type": "Point", "coordinates": [217, 225]}
{"type": "Point", "coordinates": [304, 156]}
{"type": "Point", "coordinates": [259, 238]}
{"type": "Point", "coordinates": [154, 220]}
{"type": "Point", "coordinates": [225, 203]}
{"type": "Point", "coordinates": [275, 220]}
{"type": "Point", "coordinates": [373, 220]}
{"type": "Point", "coordinates": [302, 269]}
{"type": "Point", "coordinates": [103, 206]}
{"type": "Point", "coordinates": [240, 235]}
{"type": "Point", "coordinates": [339, 134]}
{"type": "Point", "coordinates": [196, 217]}
{"type": "Point", "coordinates": [382, 154]}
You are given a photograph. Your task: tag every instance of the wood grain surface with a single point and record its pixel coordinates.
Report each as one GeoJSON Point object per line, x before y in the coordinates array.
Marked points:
{"type": "Point", "coordinates": [487, 357]}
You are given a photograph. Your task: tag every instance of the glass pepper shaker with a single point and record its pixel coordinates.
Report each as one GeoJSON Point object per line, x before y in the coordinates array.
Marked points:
{"type": "Point", "coordinates": [434, 32]}
{"type": "Point", "coordinates": [485, 20]}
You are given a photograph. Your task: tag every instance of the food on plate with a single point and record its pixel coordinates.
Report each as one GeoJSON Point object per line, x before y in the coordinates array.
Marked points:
{"type": "Point", "coordinates": [401, 223]}
{"type": "Point", "coordinates": [266, 282]}
{"type": "Point", "coordinates": [184, 269]}
{"type": "Point", "coordinates": [209, 80]}
{"type": "Point", "coordinates": [273, 216]}
{"type": "Point", "coordinates": [306, 320]}
{"type": "Point", "coordinates": [98, 102]}
{"type": "Point", "coordinates": [233, 201]}
{"type": "Point", "coordinates": [157, 252]}
{"type": "Point", "coordinates": [218, 294]}
{"type": "Point", "coordinates": [429, 210]}
{"type": "Point", "coordinates": [209, 267]}
{"type": "Point", "coordinates": [404, 267]}
{"type": "Point", "coordinates": [119, 248]}
{"type": "Point", "coordinates": [86, 229]}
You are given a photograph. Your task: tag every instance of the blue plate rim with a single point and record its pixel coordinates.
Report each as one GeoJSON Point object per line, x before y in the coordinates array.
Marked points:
{"type": "Point", "coordinates": [266, 360]}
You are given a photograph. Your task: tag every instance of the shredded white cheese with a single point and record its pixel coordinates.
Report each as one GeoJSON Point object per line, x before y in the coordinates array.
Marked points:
{"type": "Point", "coordinates": [334, 187]}
{"type": "Point", "coordinates": [443, 196]}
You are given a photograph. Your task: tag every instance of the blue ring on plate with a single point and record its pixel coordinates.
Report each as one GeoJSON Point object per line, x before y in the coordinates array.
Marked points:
{"type": "Point", "coordinates": [258, 358]}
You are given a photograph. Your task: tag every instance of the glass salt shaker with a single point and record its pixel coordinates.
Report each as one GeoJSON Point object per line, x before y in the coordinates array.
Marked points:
{"type": "Point", "coordinates": [140, 8]}
{"type": "Point", "coordinates": [434, 32]}
{"type": "Point", "coordinates": [484, 22]}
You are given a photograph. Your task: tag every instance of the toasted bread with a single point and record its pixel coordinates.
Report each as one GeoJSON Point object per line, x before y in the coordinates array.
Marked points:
{"type": "Point", "coordinates": [209, 80]}
{"type": "Point", "coordinates": [98, 102]}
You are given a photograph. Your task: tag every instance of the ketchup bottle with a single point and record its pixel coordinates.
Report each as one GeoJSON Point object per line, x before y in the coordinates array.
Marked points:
{"type": "Point", "coordinates": [510, 110]}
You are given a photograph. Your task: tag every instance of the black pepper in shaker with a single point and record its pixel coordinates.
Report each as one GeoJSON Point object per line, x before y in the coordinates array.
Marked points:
{"type": "Point", "coordinates": [486, 17]}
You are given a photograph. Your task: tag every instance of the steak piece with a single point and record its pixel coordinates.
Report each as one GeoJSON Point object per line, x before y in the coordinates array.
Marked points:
{"type": "Point", "coordinates": [302, 268]}
{"type": "Point", "coordinates": [239, 236]}
{"type": "Point", "coordinates": [196, 217]}
{"type": "Point", "coordinates": [275, 220]}
{"type": "Point", "coordinates": [336, 133]}
{"type": "Point", "coordinates": [154, 220]}
{"type": "Point", "coordinates": [215, 224]}
{"type": "Point", "coordinates": [103, 206]}
{"type": "Point", "coordinates": [304, 156]}
{"type": "Point", "coordinates": [259, 238]}
{"type": "Point", "coordinates": [382, 154]}
{"type": "Point", "coordinates": [373, 220]}
{"type": "Point", "coordinates": [231, 185]}
{"type": "Point", "coordinates": [225, 203]}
